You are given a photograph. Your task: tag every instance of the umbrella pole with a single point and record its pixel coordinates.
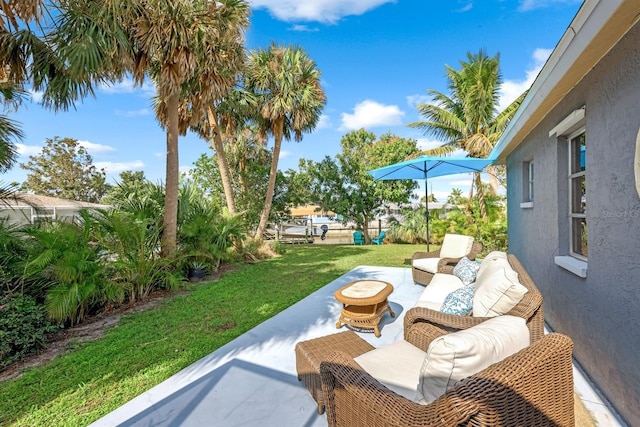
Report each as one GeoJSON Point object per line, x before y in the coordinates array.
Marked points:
{"type": "Point", "coordinates": [426, 201]}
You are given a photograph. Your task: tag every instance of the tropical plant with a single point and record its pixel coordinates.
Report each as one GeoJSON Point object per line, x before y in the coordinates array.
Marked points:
{"type": "Point", "coordinates": [205, 233]}
{"type": "Point", "coordinates": [65, 259]}
{"type": "Point", "coordinates": [13, 255]}
{"type": "Point", "coordinates": [65, 169]}
{"type": "Point", "coordinates": [467, 119]}
{"type": "Point", "coordinates": [133, 265]}
{"type": "Point", "coordinates": [24, 327]}
{"type": "Point", "coordinates": [286, 83]}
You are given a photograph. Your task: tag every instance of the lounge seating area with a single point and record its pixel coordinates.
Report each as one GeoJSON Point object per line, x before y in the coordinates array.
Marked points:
{"type": "Point", "coordinates": [253, 380]}
{"type": "Point", "coordinates": [473, 352]}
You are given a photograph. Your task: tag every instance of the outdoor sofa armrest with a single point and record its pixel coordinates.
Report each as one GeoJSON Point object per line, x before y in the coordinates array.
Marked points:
{"type": "Point", "coordinates": [421, 334]}
{"type": "Point", "coordinates": [531, 387]}
{"type": "Point", "coordinates": [420, 255]}
{"type": "Point", "coordinates": [355, 398]}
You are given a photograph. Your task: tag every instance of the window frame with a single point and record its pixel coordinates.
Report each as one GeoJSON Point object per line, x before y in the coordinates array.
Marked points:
{"type": "Point", "coordinates": [574, 176]}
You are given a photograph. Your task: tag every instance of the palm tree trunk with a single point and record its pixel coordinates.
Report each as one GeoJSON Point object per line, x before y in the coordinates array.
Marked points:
{"type": "Point", "coordinates": [223, 165]}
{"type": "Point", "coordinates": [266, 210]}
{"type": "Point", "coordinates": [482, 204]}
{"type": "Point", "coordinates": [170, 221]}
{"type": "Point", "coordinates": [493, 180]}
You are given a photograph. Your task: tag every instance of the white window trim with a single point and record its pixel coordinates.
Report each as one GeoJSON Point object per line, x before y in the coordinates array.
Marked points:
{"type": "Point", "coordinates": [572, 264]}
{"type": "Point", "coordinates": [571, 176]}
{"type": "Point", "coordinates": [569, 128]}
{"type": "Point", "coordinates": [570, 123]}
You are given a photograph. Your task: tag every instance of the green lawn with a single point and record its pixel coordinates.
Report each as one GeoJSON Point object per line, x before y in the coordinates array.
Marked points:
{"type": "Point", "coordinates": [146, 348]}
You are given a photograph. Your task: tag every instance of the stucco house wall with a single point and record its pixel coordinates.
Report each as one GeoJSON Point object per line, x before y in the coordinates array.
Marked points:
{"type": "Point", "coordinates": [602, 311]}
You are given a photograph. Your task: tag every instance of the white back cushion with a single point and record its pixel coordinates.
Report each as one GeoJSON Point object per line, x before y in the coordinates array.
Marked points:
{"type": "Point", "coordinates": [396, 365]}
{"type": "Point", "coordinates": [455, 246]}
{"type": "Point", "coordinates": [492, 257]}
{"type": "Point", "coordinates": [498, 290]}
{"type": "Point", "coordinates": [461, 354]}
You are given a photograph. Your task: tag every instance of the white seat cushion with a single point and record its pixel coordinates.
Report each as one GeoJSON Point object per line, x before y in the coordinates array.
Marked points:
{"type": "Point", "coordinates": [426, 264]}
{"type": "Point", "coordinates": [461, 354]}
{"type": "Point", "coordinates": [497, 291]}
{"type": "Point", "coordinates": [455, 246]}
{"type": "Point", "coordinates": [396, 365]}
{"type": "Point", "coordinates": [434, 294]}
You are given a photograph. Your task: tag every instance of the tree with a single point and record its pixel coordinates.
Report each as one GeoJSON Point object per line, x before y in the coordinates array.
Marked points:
{"type": "Point", "coordinates": [344, 186]}
{"type": "Point", "coordinates": [468, 117]}
{"type": "Point", "coordinates": [290, 99]}
{"type": "Point", "coordinates": [250, 161]}
{"type": "Point", "coordinates": [65, 169]}
{"type": "Point", "coordinates": [176, 43]}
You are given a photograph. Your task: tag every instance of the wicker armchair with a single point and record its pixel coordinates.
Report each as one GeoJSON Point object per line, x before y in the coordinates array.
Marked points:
{"type": "Point", "coordinates": [445, 265]}
{"type": "Point", "coordinates": [531, 387]}
{"type": "Point", "coordinates": [529, 308]}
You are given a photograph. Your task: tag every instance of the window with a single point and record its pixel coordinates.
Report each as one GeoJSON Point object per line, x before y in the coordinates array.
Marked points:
{"type": "Point", "coordinates": [578, 195]}
{"type": "Point", "coordinates": [573, 214]}
{"type": "Point", "coordinates": [527, 184]}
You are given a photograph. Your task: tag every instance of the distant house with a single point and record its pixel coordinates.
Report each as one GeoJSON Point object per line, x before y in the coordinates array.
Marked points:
{"type": "Point", "coordinates": [573, 166]}
{"type": "Point", "coordinates": [23, 208]}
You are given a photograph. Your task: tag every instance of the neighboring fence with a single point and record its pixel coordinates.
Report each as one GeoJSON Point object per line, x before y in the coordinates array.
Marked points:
{"type": "Point", "coordinates": [302, 231]}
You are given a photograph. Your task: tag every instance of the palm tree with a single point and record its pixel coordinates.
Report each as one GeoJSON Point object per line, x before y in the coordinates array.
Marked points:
{"type": "Point", "coordinates": [468, 118]}
{"type": "Point", "coordinates": [175, 42]}
{"type": "Point", "coordinates": [16, 40]}
{"type": "Point", "coordinates": [290, 100]}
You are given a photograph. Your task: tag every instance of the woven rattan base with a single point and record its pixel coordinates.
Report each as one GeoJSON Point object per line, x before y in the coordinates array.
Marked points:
{"type": "Point", "coordinates": [310, 353]}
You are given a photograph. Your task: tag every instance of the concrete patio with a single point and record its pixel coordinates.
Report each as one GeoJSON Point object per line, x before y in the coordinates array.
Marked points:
{"type": "Point", "coordinates": [252, 380]}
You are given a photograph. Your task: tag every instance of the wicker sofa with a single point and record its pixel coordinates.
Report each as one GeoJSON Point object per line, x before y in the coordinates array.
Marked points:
{"type": "Point", "coordinates": [427, 309]}
{"type": "Point", "coordinates": [454, 246]}
{"type": "Point", "coordinates": [531, 387]}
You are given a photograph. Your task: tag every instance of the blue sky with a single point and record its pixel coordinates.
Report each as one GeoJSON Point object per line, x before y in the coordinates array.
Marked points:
{"type": "Point", "coordinates": [377, 58]}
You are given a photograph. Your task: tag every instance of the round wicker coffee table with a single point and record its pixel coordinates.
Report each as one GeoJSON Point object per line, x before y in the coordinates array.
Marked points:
{"type": "Point", "coordinates": [364, 302]}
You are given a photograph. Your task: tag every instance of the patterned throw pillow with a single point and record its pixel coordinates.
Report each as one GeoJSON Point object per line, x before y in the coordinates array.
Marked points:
{"type": "Point", "coordinates": [466, 270]}
{"type": "Point", "coordinates": [459, 302]}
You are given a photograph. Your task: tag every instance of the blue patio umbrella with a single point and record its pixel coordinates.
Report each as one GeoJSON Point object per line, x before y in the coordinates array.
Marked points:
{"type": "Point", "coordinates": [425, 167]}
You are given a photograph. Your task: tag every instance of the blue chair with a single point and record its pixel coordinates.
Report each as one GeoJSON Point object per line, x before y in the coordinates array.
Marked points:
{"type": "Point", "coordinates": [358, 238]}
{"type": "Point", "coordinates": [380, 239]}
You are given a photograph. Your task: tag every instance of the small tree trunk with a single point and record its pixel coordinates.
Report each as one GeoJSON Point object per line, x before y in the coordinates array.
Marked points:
{"type": "Point", "coordinates": [223, 165]}
{"type": "Point", "coordinates": [493, 180]}
{"type": "Point", "coordinates": [482, 205]}
{"type": "Point", "coordinates": [170, 228]}
{"type": "Point", "coordinates": [266, 210]}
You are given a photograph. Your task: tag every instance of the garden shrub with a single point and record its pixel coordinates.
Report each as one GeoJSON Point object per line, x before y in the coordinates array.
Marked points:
{"type": "Point", "coordinates": [24, 328]}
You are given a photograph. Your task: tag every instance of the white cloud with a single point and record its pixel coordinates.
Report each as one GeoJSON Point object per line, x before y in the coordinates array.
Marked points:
{"type": "Point", "coordinates": [126, 85]}
{"type": "Point", "coordinates": [133, 113]}
{"type": "Point", "coordinates": [93, 148]}
{"type": "Point", "coordinates": [467, 7]}
{"type": "Point", "coordinates": [526, 5]}
{"type": "Point", "coordinates": [324, 122]}
{"type": "Point", "coordinates": [117, 167]}
{"type": "Point", "coordinates": [285, 153]}
{"type": "Point", "coordinates": [370, 113]}
{"type": "Point", "coordinates": [304, 28]}
{"type": "Point", "coordinates": [511, 89]}
{"type": "Point", "coordinates": [28, 150]}
{"type": "Point", "coordinates": [36, 96]}
{"type": "Point", "coordinates": [326, 11]}
{"type": "Point", "coordinates": [414, 100]}
{"type": "Point", "coordinates": [428, 144]}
